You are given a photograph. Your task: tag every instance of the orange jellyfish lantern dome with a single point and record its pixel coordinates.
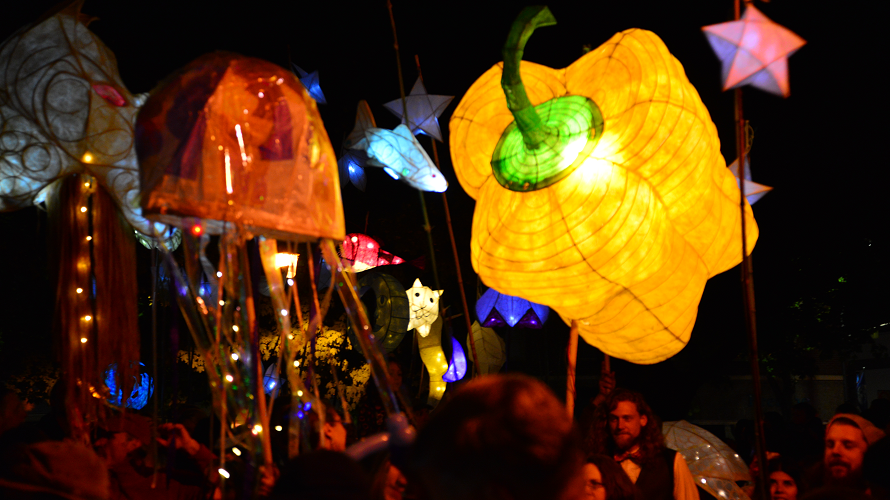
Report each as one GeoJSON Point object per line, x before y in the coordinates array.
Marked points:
{"type": "Point", "coordinates": [233, 139]}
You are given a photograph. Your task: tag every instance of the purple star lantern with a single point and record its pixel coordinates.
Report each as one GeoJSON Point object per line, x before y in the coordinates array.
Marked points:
{"type": "Point", "coordinates": [497, 309]}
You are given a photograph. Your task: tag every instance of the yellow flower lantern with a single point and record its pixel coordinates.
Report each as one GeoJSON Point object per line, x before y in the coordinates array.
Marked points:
{"type": "Point", "coordinates": [600, 189]}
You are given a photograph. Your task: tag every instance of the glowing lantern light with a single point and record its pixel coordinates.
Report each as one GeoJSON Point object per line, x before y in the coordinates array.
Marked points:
{"type": "Point", "coordinates": [397, 151]}
{"type": "Point", "coordinates": [91, 134]}
{"type": "Point", "coordinates": [272, 151]}
{"type": "Point", "coordinates": [270, 378]}
{"type": "Point", "coordinates": [423, 110]}
{"type": "Point", "coordinates": [310, 82]}
{"type": "Point", "coordinates": [430, 348]}
{"type": "Point", "coordinates": [363, 252]}
{"type": "Point", "coordinates": [352, 161]}
{"type": "Point", "coordinates": [288, 260]}
{"type": "Point", "coordinates": [491, 350]}
{"type": "Point", "coordinates": [424, 303]}
{"type": "Point", "coordinates": [458, 367]}
{"type": "Point", "coordinates": [496, 309]}
{"type": "Point", "coordinates": [605, 197]}
{"type": "Point", "coordinates": [753, 190]}
{"type": "Point", "coordinates": [172, 237]}
{"type": "Point", "coordinates": [142, 388]}
{"type": "Point", "coordinates": [391, 317]}
{"type": "Point", "coordinates": [754, 51]}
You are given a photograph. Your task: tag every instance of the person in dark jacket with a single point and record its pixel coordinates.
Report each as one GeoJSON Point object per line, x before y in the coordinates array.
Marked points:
{"type": "Point", "coordinates": [626, 429]}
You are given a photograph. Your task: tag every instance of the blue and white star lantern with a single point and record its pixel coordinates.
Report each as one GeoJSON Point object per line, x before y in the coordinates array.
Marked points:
{"type": "Point", "coordinates": [423, 110]}
{"type": "Point", "coordinates": [753, 190]}
{"type": "Point", "coordinates": [310, 81]}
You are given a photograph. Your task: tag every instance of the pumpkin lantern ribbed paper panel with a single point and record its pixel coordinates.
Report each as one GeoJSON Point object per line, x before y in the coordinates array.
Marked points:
{"type": "Point", "coordinates": [639, 218]}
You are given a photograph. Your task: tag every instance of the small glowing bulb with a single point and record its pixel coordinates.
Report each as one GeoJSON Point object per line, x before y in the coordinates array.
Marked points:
{"type": "Point", "coordinates": [370, 245]}
{"type": "Point", "coordinates": [229, 378]}
{"type": "Point", "coordinates": [278, 428]}
{"type": "Point", "coordinates": [235, 328]}
{"type": "Point", "coordinates": [299, 394]}
{"type": "Point", "coordinates": [79, 290]}
{"type": "Point", "coordinates": [83, 209]}
{"type": "Point", "coordinates": [236, 451]}
{"type": "Point", "coordinates": [219, 274]}
{"type": "Point", "coordinates": [89, 238]}
{"type": "Point", "coordinates": [296, 363]}
{"type": "Point", "coordinates": [354, 239]}
{"type": "Point", "coordinates": [234, 356]}
{"type": "Point", "coordinates": [257, 429]}
{"type": "Point", "coordinates": [290, 337]}
{"type": "Point", "coordinates": [83, 340]}
{"type": "Point", "coordinates": [87, 157]}
{"type": "Point", "coordinates": [224, 473]}
{"type": "Point", "coordinates": [284, 312]}
{"type": "Point", "coordinates": [86, 184]}
{"type": "Point", "coordinates": [197, 230]}
{"type": "Point", "coordinates": [87, 317]}
{"type": "Point", "coordinates": [290, 282]}
{"type": "Point", "coordinates": [222, 302]}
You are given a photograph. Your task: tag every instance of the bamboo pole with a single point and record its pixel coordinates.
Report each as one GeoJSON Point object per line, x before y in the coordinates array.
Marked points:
{"type": "Point", "coordinates": [426, 220]}
{"type": "Point", "coordinates": [571, 360]}
{"type": "Point", "coordinates": [460, 279]}
{"type": "Point", "coordinates": [747, 281]}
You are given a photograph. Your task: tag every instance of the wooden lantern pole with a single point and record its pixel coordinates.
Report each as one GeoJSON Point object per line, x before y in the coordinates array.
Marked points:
{"type": "Point", "coordinates": [571, 360]}
{"type": "Point", "coordinates": [747, 280]}
{"type": "Point", "coordinates": [460, 279]}
{"type": "Point", "coordinates": [426, 219]}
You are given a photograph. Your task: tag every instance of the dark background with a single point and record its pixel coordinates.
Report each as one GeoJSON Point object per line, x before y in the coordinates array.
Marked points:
{"type": "Point", "coordinates": [821, 149]}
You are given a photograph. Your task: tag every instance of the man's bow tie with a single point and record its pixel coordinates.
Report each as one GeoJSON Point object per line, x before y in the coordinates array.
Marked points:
{"type": "Point", "coordinates": [630, 455]}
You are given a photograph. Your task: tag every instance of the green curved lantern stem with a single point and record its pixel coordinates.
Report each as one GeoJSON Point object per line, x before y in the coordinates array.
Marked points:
{"type": "Point", "coordinates": [546, 142]}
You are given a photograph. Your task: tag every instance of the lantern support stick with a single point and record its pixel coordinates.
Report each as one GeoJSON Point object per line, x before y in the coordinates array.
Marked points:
{"type": "Point", "coordinates": [255, 355]}
{"type": "Point", "coordinates": [154, 365]}
{"type": "Point", "coordinates": [460, 279]}
{"type": "Point", "coordinates": [571, 360]}
{"type": "Point", "coordinates": [426, 219]}
{"type": "Point", "coordinates": [748, 287]}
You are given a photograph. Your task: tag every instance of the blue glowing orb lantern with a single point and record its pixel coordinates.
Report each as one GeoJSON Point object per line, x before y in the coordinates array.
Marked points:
{"type": "Point", "coordinates": [143, 387]}
{"type": "Point", "coordinates": [496, 309]}
{"type": "Point", "coordinates": [270, 379]}
{"type": "Point", "coordinates": [458, 367]}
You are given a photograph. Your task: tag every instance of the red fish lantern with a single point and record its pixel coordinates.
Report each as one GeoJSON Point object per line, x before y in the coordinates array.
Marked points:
{"type": "Point", "coordinates": [363, 253]}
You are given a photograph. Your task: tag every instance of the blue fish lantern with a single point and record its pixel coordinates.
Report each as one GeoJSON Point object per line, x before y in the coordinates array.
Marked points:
{"type": "Point", "coordinates": [402, 157]}
{"type": "Point", "coordinates": [143, 387]}
{"type": "Point", "coordinates": [397, 151]}
{"type": "Point", "coordinates": [458, 367]}
{"type": "Point", "coordinates": [496, 309]}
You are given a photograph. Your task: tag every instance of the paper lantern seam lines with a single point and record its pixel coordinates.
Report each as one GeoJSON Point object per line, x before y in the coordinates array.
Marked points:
{"type": "Point", "coordinates": [623, 287]}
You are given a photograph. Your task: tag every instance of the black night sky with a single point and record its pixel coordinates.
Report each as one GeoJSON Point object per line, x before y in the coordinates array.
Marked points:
{"type": "Point", "coordinates": [819, 149]}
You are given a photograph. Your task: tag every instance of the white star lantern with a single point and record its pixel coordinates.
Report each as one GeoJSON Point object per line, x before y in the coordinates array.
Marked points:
{"type": "Point", "coordinates": [423, 110]}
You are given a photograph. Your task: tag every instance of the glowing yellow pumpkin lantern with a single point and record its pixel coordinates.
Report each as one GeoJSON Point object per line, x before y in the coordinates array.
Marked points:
{"type": "Point", "coordinates": [600, 189]}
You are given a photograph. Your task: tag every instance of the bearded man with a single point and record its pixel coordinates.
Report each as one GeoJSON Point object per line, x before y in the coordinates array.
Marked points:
{"type": "Point", "coordinates": [847, 438]}
{"type": "Point", "coordinates": [625, 428]}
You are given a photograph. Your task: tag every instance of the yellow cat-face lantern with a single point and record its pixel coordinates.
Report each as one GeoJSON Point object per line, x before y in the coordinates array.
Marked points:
{"type": "Point", "coordinates": [424, 307]}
